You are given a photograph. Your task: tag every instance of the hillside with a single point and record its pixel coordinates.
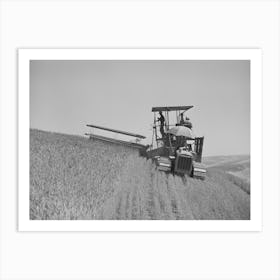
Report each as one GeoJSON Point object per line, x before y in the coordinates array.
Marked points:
{"type": "Point", "coordinates": [236, 167]}
{"type": "Point", "coordinates": [72, 177]}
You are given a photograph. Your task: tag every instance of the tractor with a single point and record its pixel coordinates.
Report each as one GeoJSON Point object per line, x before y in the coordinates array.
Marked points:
{"type": "Point", "coordinates": [175, 149]}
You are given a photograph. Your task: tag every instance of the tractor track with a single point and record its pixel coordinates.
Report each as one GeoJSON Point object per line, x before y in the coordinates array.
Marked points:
{"type": "Point", "coordinates": [159, 199]}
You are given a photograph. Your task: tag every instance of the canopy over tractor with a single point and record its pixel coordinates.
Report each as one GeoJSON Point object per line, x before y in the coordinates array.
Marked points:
{"type": "Point", "coordinates": [181, 131]}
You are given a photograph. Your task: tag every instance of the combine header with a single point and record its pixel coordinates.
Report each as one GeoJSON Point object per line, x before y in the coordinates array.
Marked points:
{"type": "Point", "coordinates": [133, 144]}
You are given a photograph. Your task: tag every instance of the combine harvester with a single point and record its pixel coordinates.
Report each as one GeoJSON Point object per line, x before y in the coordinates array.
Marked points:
{"type": "Point", "coordinates": [175, 151]}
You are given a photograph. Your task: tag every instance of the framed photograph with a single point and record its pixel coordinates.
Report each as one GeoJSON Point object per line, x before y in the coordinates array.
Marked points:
{"type": "Point", "coordinates": [140, 140]}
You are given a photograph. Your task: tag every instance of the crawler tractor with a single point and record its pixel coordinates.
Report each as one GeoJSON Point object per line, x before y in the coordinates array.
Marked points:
{"type": "Point", "coordinates": [177, 149]}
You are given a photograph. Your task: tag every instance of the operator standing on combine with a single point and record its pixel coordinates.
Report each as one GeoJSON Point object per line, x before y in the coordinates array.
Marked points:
{"type": "Point", "coordinates": [185, 122]}
{"type": "Point", "coordinates": [161, 119]}
{"type": "Point", "coordinates": [188, 123]}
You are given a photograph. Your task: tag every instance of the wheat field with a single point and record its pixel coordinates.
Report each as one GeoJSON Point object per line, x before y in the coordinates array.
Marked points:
{"type": "Point", "coordinates": [72, 177]}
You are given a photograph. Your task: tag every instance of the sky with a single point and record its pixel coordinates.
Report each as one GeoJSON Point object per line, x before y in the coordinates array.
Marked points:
{"type": "Point", "coordinates": [67, 95]}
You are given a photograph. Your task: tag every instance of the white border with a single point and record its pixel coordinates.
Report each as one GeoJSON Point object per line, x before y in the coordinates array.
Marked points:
{"type": "Point", "coordinates": [254, 55]}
